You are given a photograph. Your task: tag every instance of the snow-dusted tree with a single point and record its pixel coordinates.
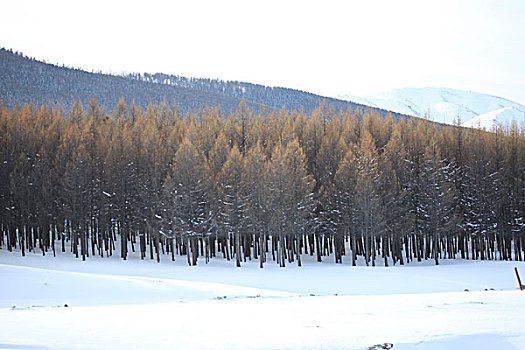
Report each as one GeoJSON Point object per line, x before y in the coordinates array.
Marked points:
{"type": "Point", "coordinates": [328, 213]}
{"type": "Point", "coordinates": [344, 189]}
{"type": "Point", "coordinates": [482, 188]}
{"type": "Point", "coordinates": [255, 190]}
{"type": "Point", "coordinates": [186, 191]}
{"type": "Point", "coordinates": [369, 218]}
{"type": "Point", "coordinates": [291, 199]}
{"type": "Point", "coordinates": [436, 200]}
{"type": "Point", "coordinates": [121, 182]}
{"type": "Point", "coordinates": [232, 214]}
{"type": "Point", "coordinates": [392, 186]}
{"type": "Point", "coordinates": [77, 186]}
{"type": "Point", "coordinates": [513, 213]}
{"type": "Point", "coordinates": [155, 158]}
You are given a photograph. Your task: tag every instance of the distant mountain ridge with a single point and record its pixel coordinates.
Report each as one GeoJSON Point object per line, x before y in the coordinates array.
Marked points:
{"type": "Point", "coordinates": [444, 105]}
{"type": "Point", "coordinates": [27, 80]}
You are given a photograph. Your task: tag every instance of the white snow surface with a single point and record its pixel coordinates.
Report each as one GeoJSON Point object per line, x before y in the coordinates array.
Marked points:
{"type": "Point", "coordinates": [134, 304]}
{"type": "Point", "coordinates": [444, 105]}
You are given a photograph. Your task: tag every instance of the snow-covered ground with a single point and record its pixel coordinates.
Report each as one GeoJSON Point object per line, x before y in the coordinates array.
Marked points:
{"type": "Point", "coordinates": [444, 105]}
{"type": "Point", "coordinates": [134, 304]}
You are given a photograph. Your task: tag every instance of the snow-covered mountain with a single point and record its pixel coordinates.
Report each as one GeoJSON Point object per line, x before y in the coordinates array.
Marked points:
{"type": "Point", "coordinates": [444, 105]}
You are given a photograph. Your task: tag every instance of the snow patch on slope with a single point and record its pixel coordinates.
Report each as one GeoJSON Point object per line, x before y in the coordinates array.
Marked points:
{"type": "Point", "coordinates": [445, 105]}
{"type": "Point", "coordinates": [489, 119]}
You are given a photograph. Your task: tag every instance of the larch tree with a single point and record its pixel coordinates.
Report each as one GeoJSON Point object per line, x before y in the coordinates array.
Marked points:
{"type": "Point", "coordinates": [186, 192]}
{"type": "Point", "coordinates": [436, 200]}
{"type": "Point", "coordinates": [345, 183]}
{"type": "Point", "coordinates": [232, 214]}
{"type": "Point", "coordinates": [369, 218]}
{"type": "Point", "coordinates": [255, 190]}
{"type": "Point", "coordinates": [392, 186]}
{"type": "Point", "coordinates": [291, 199]}
{"type": "Point", "coordinates": [327, 211]}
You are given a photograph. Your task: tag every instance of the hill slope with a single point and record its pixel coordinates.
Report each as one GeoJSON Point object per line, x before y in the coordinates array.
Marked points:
{"type": "Point", "coordinates": [26, 80]}
{"type": "Point", "coordinates": [444, 105]}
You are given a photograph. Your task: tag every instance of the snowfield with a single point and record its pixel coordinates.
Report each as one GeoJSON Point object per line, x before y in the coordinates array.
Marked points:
{"type": "Point", "coordinates": [64, 303]}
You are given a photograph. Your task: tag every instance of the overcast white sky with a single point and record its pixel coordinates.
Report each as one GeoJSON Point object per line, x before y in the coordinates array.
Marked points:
{"type": "Point", "coordinates": [327, 47]}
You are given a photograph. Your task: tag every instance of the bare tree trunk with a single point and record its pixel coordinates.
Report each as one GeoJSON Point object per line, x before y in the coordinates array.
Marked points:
{"type": "Point", "coordinates": [237, 249]}
{"type": "Point", "coordinates": [187, 248]}
{"type": "Point", "coordinates": [22, 246]}
{"type": "Point", "coordinates": [354, 248]}
{"type": "Point", "coordinates": [124, 242]}
{"type": "Point", "coordinates": [157, 248]}
{"type": "Point", "coordinates": [261, 252]}
{"type": "Point", "coordinates": [282, 253]}
{"type": "Point", "coordinates": [318, 247]}
{"type": "Point", "coordinates": [150, 242]}
{"type": "Point", "coordinates": [298, 251]}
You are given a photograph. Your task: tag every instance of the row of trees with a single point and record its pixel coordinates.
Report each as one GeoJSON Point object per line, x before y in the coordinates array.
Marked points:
{"type": "Point", "coordinates": [252, 186]}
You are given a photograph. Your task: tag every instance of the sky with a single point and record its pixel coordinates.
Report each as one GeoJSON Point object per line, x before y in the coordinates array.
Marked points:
{"type": "Point", "coordinates": [328, 47]}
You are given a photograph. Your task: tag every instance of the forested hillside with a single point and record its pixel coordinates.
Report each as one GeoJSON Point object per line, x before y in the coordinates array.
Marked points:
{"type": "Point", "coordinates": [326, 183]}
{"type": "Point", "coordinates": [276, 97]}
{"type": "Point", "coordinates": [26, 80]}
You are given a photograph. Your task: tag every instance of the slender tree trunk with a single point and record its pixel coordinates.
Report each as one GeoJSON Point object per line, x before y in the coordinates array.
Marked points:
{"type": "Point", "coordinates": [157, 248]}
{"type": "Point", "coordinates": [318, 247]}
{"type": "Point", "coordinates": [237, 249]}
{"type": "Point", "coordinates": [22, 246]}
{"type": "Point", "coordinates": [172, 248]}
{"type": "Point", "coordinates": [354, 248]}
{"type": "Point", "coordinates": [436, 249]}
{"type": "Point", "coordinates": [298, 252]}
{"type": "Point", "coordinates": [282, 251]}
{"type": "Point", "coordinates": [187, 249]}
{"type": "Point", "coordinates": [150, 242]}
{"type": "Point", "coordinates": [261, 252]}
{"type": "Point", "coordinates": [124, 242]}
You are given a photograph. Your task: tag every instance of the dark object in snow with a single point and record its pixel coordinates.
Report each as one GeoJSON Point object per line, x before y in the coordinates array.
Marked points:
{"type": "Point", "coordinates": [66, 305]}
{"type": "Point", "coordinates": [522, 287]}
{"type": "Point", "coordinates": [381, 346]}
